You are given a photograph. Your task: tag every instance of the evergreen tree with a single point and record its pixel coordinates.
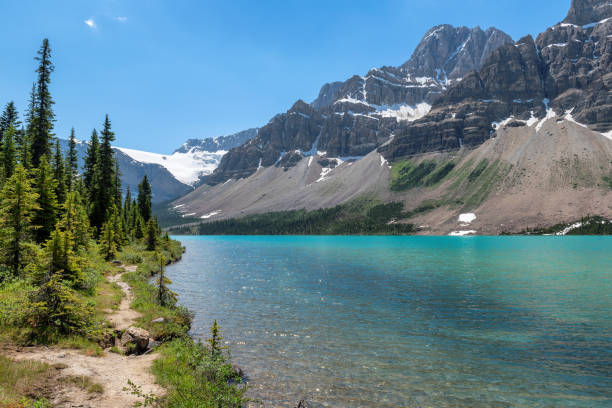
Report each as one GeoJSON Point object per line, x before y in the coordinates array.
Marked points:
{"type": "Point", "coordinates": [24, 144]}
{"type": "Point", "coordinates": [9, 118]}
{"type": "Point", "coordinates": [215, 341]}
{"type": "Point", "coordinates": [117, 190]}
{"type": "Point", "coordinates": [103, 196]}
{"type": "Point", "coordinates": [59, 168]}
{"type": "Point", "coordinates": [151, 236]}
{"type": "Point", "coordinates": [108, 247]}
{"type": "Point", "coordinates": [72, 162]}
{"type": "Point", "coordinates": [90, 162]}
{"type": "Point", "coordinates": [165, 296]}
{"type": "Point", "coordinates": [75, 221]}
{"type": "Point", "coordinates": [42, 122]}
{"type": "Point", "coordinates": [61, 257]}
{"type": "Point", "coordinates": [17, 207]}
{"type": "Point", "coordinates": [45, 186]}
{"type": "Point", "coordinates": [144, 199]}
{"type": "Point", "coordinates": [9, 161]}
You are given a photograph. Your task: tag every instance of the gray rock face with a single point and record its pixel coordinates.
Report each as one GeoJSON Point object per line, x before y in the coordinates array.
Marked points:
{"type": "Point", "coordinates": [354, 117]}
{"type": "Point", "coordinates": [568, 68]}
{"type": "Point", "coordinates": [451, 52]}
{"type": "Point", "coordinates": [213, 144]}
{"type": "Point", "coordinates": [584, 12]}
{"type": "Point", "coordinates": [327, 95]}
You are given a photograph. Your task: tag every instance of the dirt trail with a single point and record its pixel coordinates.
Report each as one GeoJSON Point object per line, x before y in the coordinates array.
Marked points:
{"type": "Point", "coordinates": [124, 317]}
{"type": "Point", "coordinates": [112, 370]}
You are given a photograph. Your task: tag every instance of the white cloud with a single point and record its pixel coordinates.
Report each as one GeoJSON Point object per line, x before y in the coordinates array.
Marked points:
{"type": "Point", "coordinates": [121, 19]}
{"type": "Point", "coordinates": [90, 23]}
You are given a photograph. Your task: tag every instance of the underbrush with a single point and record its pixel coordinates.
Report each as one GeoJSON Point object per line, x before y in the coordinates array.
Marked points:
{"type": "Point", "coordinates": [20, 383]}
{"type": "Point", "coordinates": [196, 377]}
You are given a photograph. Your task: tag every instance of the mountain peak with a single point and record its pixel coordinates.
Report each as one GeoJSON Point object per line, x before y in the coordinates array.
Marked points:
{"type": "Point", "coordinates": [583, 12]}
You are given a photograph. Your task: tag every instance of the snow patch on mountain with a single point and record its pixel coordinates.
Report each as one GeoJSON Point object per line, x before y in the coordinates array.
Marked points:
{"type": "Point", "coordinates": [186, 167]}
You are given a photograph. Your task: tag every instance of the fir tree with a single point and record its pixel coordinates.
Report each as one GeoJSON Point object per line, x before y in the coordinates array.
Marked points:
{"type": "Point", "coordinates": [19, 202]}
{"type": "Point", "coordinates": [104, 190]}
{"type": "Point", "coordinates": [108, 247]}
{"type": "Point", "coordinates": [61, 257]}
{"type": "Point", "coordinates": [9, 161]}
{"type": "Point", "coordinates": [59, 174]}
{"type": "Point", "coordinates": [90, 162]}
{"type": "Point", "coordinates": [165, 296]}
{"type": "Point", "coordinates": [45, 186]}
{"type": "Point", "coordinates": [9, 118]}
{"type": "Point", "coordinates": [75, 221]}
{"type": "Point", "coordinates": [72, 162]}
{"type": "Point", "coordinates": [151, 235]}
{"type": "Point", "coordinates": [42, 122]}
{"type": "Point", "coordinates": [117, 190]}
{"type": "Point", "coordinates": [215, 341]}
{"type": "Point", "coordinates": [144, 199]}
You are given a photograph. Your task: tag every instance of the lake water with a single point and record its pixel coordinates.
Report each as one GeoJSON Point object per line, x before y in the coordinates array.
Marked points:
{"type": "Point", "coordinates": [409, 321]}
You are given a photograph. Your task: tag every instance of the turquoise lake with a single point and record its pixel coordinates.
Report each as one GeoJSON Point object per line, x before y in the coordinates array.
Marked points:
{"type": "Point", "coordinates": [409, 321]}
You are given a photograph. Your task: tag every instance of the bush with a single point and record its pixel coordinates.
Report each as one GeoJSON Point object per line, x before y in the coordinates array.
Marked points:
{"type": "Point", "coordinates": [197, 377]}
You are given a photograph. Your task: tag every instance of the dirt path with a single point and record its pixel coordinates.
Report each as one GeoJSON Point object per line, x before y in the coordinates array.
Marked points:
{"type": "Point", "coordinates": [124, 317]}
{"type": "Point", "coordinates": [112, 370]}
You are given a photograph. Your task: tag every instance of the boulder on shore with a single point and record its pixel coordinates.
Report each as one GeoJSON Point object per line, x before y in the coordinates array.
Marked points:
{"type": "Point", "coordinates": [139, 338]}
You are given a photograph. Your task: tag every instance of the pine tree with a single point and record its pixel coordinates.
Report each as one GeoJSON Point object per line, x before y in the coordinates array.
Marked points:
{"type": "Point", "coordinates": [165, 296]}
{"type": "Point", "coordinates": [8, 159]}
{"type": "Point", "coordinates": [72, 162]}
{"type": "Point", "coordinates": [9, 118]}
{"type": "Point", "coordinates": [43, 112]}
{"type": "Point", "coordinates": [215, 341]}
{"type": "Point", "coordinates": [144, 199]}
{"type": "Point", "coordinates": [46, 215]}
{"type": "Point", "coordinates": [117, 190]}
{"type": "Point", "coordinates": [90, 162]}
{"type": "Point", "coordinates": [17, 207]}
{"type": "Point", "coordinates": [61, 257]}
{"type": "Point", "coordinates": [75, 221]}
{"type": "Point", "coordinates": [59, 174]}
{"type": "Point", "coordinates": [108, 247]}
{"type": "Point", "coordinates": [104, 178]}
{"type": "Point", "coordinates": [151, 236]}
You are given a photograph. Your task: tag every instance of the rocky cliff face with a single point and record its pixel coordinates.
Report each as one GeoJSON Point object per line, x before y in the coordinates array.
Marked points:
{"type": "Point", "coordinates": [350, 119]}
{"type": "Point", "coordinates": [584, 12]}
{"type": "Point", "coordinates": [566, 70]}
{"type": "Point", "coordinates": [214, 144]}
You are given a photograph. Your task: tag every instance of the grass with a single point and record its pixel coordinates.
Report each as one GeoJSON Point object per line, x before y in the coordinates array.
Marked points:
{"type": "Point", "coordinates": [85, 383]}
{"type": "Point", "coordinates": [194, 377]}
{"type": "Point", "coordinates": [21, 383]}
{"type": "Point", "coordinates": [608, 181]}
{"type": "Point", "coordinates": [406, 175]}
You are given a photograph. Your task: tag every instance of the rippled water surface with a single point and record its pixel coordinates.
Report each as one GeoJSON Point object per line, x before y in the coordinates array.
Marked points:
{"type": "Point", "coordinates": [409, 321]}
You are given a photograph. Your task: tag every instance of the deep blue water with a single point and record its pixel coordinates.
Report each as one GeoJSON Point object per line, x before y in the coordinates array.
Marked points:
{"type": "Point", "coordinates": [409, 321]}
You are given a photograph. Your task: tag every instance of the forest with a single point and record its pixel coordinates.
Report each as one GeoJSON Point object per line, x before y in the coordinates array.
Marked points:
{"type": "Point", "coordinates": [62, 231]}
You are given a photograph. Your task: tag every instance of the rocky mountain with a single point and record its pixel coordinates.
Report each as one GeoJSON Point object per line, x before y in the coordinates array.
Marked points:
{"type": "Point", "coordinates": [352, 118]}
{"type": "Point", "coordinates": [174, 175]}
{"type": "Point", "coordinates": [566, 69]}
{"type": "Point", "coordinates": [214, 144]}
{"type": "Point", "coordinates": [522, 139]}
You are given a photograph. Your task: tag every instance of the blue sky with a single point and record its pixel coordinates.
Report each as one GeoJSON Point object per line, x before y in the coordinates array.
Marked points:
{"type": "Point", "coordinates": [170, 70]}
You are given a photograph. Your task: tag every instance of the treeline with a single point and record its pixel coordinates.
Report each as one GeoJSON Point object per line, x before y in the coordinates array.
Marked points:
{"type": "Point", "coordinates": [590, 225]}
{"type": "Point", "coordinates": [52, 215]}
{"type": "Point", "coordinates": [360, 217]}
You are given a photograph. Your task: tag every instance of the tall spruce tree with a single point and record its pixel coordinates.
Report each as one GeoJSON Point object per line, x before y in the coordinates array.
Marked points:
{"type": "Point", "coordinates": [75, 220]}
{"type": "Point", "coordinates": [144, 199]}
{"type": "Point", "coordinates": [17, 207]}
{"type": "Point", "coordinates": [8, 155]}
{"type": "Point", "coordinates": [9, 118]}
{"type": "Point", "coordinates": [42, 121]}
{"type": "Point", "coordinates": [46, 215]}
{"type": "Point", "coordinates": [72, 161]}
{"type": "Point", "coordinates": [89, 172]}
{"type": "Point", "coordinates": [104, 178]}
{"type": "Point", "coordinates": [59, 168]}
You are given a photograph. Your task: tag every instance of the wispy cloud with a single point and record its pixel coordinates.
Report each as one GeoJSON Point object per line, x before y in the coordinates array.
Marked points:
{"type": "Point", "coordinates": [121, 19]}
{"type": "Point", "coordinates": [90, 23]}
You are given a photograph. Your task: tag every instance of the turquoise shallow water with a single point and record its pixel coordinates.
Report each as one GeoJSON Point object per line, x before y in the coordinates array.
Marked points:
{"type": "Point", "coordinates": [409, 321]}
